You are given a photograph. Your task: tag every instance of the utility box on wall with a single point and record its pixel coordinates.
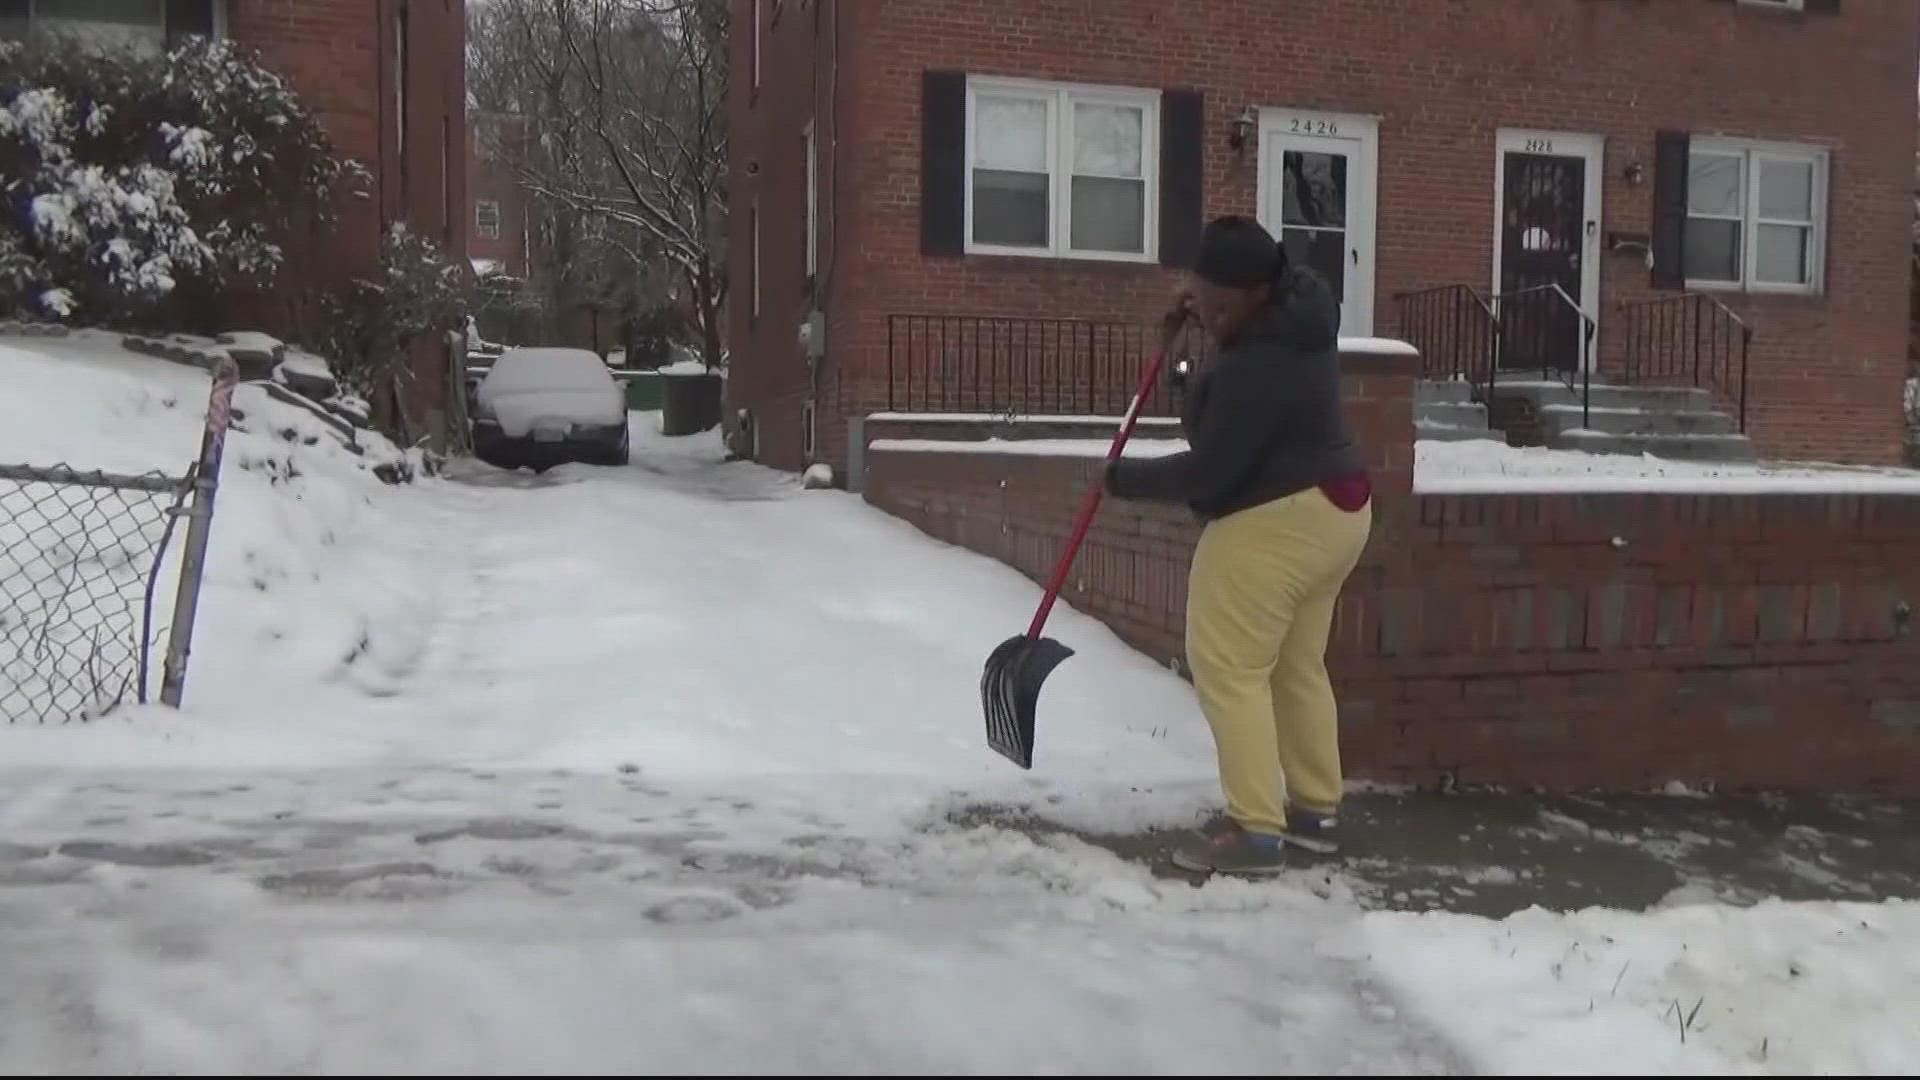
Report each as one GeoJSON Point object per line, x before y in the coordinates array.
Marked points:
{"type": "Point", "coordinates": [813, 334]}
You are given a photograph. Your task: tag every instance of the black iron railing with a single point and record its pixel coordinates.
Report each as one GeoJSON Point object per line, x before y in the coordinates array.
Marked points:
{"type": "Point", "coordinates": [1691, 338]}
{"type": "Point", "coordinates": [1038, 367]}
{"type": "Point", "coordinates": [1456, 333]}
{"type": "Point", "coordinates": [1542, 328]}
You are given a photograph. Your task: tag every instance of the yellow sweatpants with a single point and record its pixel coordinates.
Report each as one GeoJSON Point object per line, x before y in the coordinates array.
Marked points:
{"type": "Point", "coordinates": [1260, 603]}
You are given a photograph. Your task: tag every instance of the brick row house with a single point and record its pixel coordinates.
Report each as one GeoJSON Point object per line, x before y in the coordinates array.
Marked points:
{"type": "Point", "coordinates": [497, 241]}
{"type": "Point", "coordinates": [978, 206]}
{"type": "Point", "coordinates": [388, 80]}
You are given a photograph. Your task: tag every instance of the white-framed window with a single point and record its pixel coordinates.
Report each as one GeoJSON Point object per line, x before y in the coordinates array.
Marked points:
{"type": "Point", "coordinates": [138, 26]}
{"type": "Point", "coordinates": [486, 219]}
{"type": "Point", "coordinates": [1756, 216]}
{"type": "Point", "coordinates": [1062, 171]}
{"type": "Point", "coordinates": [813, 200]}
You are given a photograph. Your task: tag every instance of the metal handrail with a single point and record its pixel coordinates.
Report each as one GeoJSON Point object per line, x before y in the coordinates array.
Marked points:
{"type": "Point", "coordinates": [1588, 329]}
{"type": "Point", "coordinates": [1436, 321]}
{"type": "Point", "coordinates": [1672, 337]}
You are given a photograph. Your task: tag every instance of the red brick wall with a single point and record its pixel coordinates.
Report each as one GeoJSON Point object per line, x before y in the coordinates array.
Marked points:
{"type": "Point", "coordinates": [1442, 77]}
{"type": "Point", "coordinates": [769, 371]}
{"type": "Point", "coordinates": [1559, 641]}
{"type": "Point", "coordinates": [340, 57]}
{"type": "Point", "coordinates": [496, 147]}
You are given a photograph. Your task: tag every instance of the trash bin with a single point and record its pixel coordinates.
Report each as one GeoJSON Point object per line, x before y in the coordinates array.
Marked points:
{"type": "Point", "coordinates": [689, 403]}
{"type": "Point", "coordinates": [643, 390]}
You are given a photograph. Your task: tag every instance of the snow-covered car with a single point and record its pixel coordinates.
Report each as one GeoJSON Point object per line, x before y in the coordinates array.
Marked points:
{"type": "Point", "coordinates": [541, 407]}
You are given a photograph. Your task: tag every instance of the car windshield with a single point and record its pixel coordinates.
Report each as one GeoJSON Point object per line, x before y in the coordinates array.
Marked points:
{"type": "Point", "coordinates": [547, 369]}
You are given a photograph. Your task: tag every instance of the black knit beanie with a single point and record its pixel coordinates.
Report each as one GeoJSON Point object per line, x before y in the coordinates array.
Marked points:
{"type": "Point", "coordinates": [1239, 253]}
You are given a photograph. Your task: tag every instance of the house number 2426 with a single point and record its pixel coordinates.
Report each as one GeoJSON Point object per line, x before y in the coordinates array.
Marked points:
{"type": "Point", "coordinates": [1301, 126]}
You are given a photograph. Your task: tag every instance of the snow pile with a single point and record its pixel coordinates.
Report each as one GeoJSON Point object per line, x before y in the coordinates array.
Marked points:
{"type": "Point", "coordinates": [690, 367]}
{"type": "Point", "coordinates": [298, 576]}
{"type": "Point", "coordinates": [1788, 989]}
{"type": "Point", "coordinates": [1485, 466]}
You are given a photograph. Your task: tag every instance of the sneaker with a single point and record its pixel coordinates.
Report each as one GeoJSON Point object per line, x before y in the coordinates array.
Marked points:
{"type": "Point", "coordinates": [1232, 850]}
{"type": "Point", "coordinates": [1309, 831]}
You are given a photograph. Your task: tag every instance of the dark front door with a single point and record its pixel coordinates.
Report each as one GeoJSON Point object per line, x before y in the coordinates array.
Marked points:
{"type": "Point", "coordinates": [1542, 234]}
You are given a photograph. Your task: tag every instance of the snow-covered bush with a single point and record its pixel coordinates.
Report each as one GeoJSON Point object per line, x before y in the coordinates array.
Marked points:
{"type": "Point", "coordinates": [137, 187]}
{"type": "Point", "coordinates": [366, 329]}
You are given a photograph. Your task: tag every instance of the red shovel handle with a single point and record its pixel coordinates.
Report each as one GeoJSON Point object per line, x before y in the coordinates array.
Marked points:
{"type": "Point", "coordinates": [1091, 504]}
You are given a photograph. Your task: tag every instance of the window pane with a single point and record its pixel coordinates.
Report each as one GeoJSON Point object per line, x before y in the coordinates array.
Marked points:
{"type": "Point", "coordinates": [1323, 249]}
{"type": "Point", "coordinates": [1780, 255]}
{"type": "Point", "coordinates": [135, 12]}
{"type": "Point", "coordinates": [1010, 208]}
{"type": "Point", "coordinates": [1316, 189]}
{"type": "Point", "coordinates": [1713, 184]}
{"type": "Point", "coordinates": [1107, 140]}
{"type": "Point", "coordinates": [1010, 134]}
{"type": "Point", "coordinates": [1713, 250]}
{"type": "Point", "coordinates": [1786, 190]}
{"type": "Point", "coordinates": [1109, 215]}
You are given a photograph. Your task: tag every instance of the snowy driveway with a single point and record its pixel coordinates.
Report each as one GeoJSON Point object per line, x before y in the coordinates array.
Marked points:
{"type": "Point", "coordinates": [636, 771]}
{"type": "Point", "coordinates": [677, 768]}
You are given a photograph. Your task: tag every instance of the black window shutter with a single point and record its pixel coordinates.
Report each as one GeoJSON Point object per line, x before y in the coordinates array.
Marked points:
{"type": "Point", "coordinates": [188, 18]}
{"type": "Point", "coordinates": [943, 163]}
{"type": "Point", "coordinates": [1183, 175]}
{"type": "Point", "coordinates": [1670, 166]}
{"type": "Point", "coordinates": [1824, 7]}
{"type": "Point", "coordinates": [15, 9]}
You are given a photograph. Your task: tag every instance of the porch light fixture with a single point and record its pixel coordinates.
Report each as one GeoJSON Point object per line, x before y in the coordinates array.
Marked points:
{"type": "Point", "coordinates": [1635, 173]}
{"type": "Point", "coordinates": [1244, 126]}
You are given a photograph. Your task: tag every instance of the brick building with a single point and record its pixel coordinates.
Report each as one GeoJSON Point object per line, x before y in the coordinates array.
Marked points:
{"type": "Point", "coordinates": [497, 229]}
{"type": "Point", "coordinates": [1019, 176]}
{"type": "Point", "coordinates": [386, 77]}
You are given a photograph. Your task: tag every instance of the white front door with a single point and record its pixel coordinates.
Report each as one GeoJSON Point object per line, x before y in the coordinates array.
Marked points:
{"type": "Point", "coordinates": [1318, 177]}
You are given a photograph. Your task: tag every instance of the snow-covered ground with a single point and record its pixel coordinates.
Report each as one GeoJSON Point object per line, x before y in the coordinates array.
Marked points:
{"type": "Point", "coordinates": [1477, 466]}
{"type": "Point", "coordinates": [665, 768]}
{"type": "Point", "coordinates": [1489, 467]}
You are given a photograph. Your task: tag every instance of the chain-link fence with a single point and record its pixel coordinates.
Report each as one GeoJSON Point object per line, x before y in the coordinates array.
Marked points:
{"type": "Point", "coordinates": [81, 555]}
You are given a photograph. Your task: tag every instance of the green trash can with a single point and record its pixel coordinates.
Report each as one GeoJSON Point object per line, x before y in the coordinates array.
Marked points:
{"type": "Point", "coordinates": [691, 403]}
{"type": "Point", "coordinates": [643, 390]}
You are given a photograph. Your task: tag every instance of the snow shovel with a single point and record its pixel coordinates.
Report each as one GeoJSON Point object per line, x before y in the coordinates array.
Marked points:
{"type": "Point", "coordinates": [1010, 685]}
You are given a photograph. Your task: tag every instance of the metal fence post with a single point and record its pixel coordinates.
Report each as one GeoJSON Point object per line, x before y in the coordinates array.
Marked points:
{"type": "Point", "coordinates": [206, 484]}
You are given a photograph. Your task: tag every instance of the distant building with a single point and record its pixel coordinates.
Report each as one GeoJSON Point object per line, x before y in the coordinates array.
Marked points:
{"type": "Point", "coordinates": [497, 228]}
{"type": "Point", "coordinates": [979, 197]}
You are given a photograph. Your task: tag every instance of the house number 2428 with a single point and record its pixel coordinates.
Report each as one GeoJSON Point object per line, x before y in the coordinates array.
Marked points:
{"type": "Point", "coordinates": [1539, 146]}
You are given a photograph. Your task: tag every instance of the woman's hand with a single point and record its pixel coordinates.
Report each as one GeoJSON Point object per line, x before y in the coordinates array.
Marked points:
{"type": "Point", "coordinates": [1181, 312]}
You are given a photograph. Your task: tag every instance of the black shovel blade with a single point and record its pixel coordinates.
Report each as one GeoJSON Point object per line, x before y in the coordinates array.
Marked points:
{"type": "Point", "coordinates": [1010, 693]}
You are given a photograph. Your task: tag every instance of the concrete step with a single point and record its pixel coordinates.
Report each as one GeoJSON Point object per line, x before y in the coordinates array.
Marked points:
{"type": "Point", "coordinates": [1454, 413]}
{"type": "Point", "coordinates": [1606, 395]}
{"type": "Point", "coordinates": [1442, 392]}
{"type": "Point", "coordinates": [1670, 447]}
{"type": "Point", "coordinates": [1437, 432]}
{"type": "Point", "coordinates": [1555, 419]}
